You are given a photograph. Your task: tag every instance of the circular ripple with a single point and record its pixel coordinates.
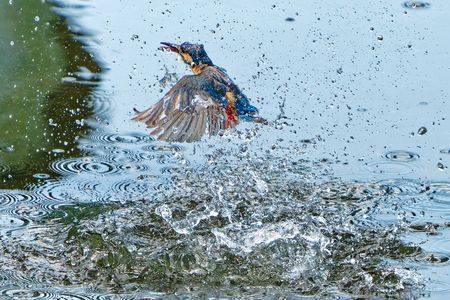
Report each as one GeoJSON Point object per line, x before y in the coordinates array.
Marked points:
{"type": "Point", "coordinates": [170, 170]}
{"type": "Point", "coordinates": [401, 156]}
{"type": "Point", "coordinates": [83, 165]}
{"type": "Point", "coordinates": [4, 169]}
{"type": "Point", "coordinates": [416, 4]}
{"type": "Point", "coordinates": [134, 187]}
{"type": "Point", "coordinates": [50, 206]}
{"type": "Point", "coordinates": [17, 169]}
{"type": "Point", "coordinates": [144, 156]}
{"type": "Point", "coordinates": [134, 167]}
{"type": "Point", "coordinates": [130, 138]}
{"type": "Point", "coordinates": [389, 168]}
{"type": "Point", "coordinates": [120, 151]}
{"type": "Point", "coordinates": [70, 191]}
{"type": "Point", "coordinates": [162, 148]}
{"type": "Point", "coordinates": [11, 197]}
{"type": "Point", "coordinates": [101, 103]}
{"type": "Point", "coordinates": [76, 297]}
{"type": "Point", "coordinates": [440, 192]}
{"type": "Point", "coordinates": [86, 147]}
{"type": "Point", "coordinates": [400, 187]}
{"type": "Point", "coordinates": [129, 157]}
{"type": "Point", "coordinates": [41, 176]}
{"type": "Point", "coordinates": [116, 159]}
{"type": "Point", "coordinates": [27, 294]}
{"type": "Point", "coordinates": [27, 211]}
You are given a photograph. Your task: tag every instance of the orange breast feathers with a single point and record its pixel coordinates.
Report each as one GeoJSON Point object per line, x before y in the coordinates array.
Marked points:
{"type": "Point", "coordinates": [231, 109]}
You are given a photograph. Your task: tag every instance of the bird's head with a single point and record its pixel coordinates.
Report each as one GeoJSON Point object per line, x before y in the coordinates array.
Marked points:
{"type": "Point", "coordinates": [193, 55]}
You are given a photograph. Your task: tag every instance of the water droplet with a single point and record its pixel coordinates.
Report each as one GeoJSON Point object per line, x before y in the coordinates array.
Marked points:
{"type": "Point", "coordinates": [36, 19]}
{"type": "Point", "coordinates": [422, 130]}
{"type": "Point", "coordinates": [11, 43]}
{"type": "Point", "coordinates": [51, 123]}
{"type": "Point", "coordinates": [380, 38]}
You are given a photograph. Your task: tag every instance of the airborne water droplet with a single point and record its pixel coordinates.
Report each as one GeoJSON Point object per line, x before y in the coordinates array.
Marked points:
{"type": "Point", "coordinates": [422, 130]}
{"type": "Point", "coordinates": [36, 19]}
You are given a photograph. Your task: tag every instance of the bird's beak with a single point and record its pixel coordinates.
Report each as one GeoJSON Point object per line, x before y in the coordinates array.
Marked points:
{"type": "Point", "coordinates": [170, 47]}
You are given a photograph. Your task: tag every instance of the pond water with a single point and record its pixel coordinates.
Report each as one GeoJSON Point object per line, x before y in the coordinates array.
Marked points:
{"type": "Point", "coordinates": [345, 194]}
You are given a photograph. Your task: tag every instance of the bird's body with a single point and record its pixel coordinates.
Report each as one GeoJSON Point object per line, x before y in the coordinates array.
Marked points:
{"type": "Point", "coordinates": [207, 101]}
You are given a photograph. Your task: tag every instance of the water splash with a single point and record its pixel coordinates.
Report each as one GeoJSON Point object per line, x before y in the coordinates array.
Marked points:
{"type": "Point", "coordinates": [238, 221]}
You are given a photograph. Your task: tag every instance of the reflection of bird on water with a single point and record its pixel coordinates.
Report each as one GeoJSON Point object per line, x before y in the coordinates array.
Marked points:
{"type": "Point", "coordinates": [207, 101]}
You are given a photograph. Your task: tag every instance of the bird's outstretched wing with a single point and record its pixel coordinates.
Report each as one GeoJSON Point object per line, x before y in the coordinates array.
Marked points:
{"type": "Point", "coordinates": [188, 110]}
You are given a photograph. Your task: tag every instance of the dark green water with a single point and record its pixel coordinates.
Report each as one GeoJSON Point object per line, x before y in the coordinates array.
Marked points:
{"type": "Point", "coordinates": [340, 197]}
{"type": "Point", "coordinates": [42, 109]}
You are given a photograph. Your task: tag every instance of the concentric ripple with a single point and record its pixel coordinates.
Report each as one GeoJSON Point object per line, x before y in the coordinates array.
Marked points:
{"type": "Point", "coordinates": [133, 188]}
{"type": "Point", "coordinates": [398, 163]}
{"type": "Point", "coordinates": [17, 169]}
{"type": "Point", "coordinates": [27, 211]}
{"type": "Point", "coordinates": [83, 165]}
{"type": "Point", "coordinates": [41, 176]}
{"type": "Point", "coordinates": [112, 138]}
{"type": "Point", "coordinates": [389, 168]}
{"type": "Point", "coordinates": [66, 191]}
{"type": "Point", "coordinates": [440, 192]}
{"type": "Point", "coordinates": [124, 156]}
{"type": "Point", "coordinates": [132, 167]}
{"type": "Point", "coordinates": [102, 103]}
{"type": "Point", "coordinates": [12, 197]}
{"type": "Point", "coordinates": [144, 156]}
{"type": "Point", "coordinates": [163, 148]}
{"type": "Point", "coordinates": [18, 293]}
{"type": "Point", "coordinates": [4, 169]}
{"type": "Point", "coordinates": [401, 156]}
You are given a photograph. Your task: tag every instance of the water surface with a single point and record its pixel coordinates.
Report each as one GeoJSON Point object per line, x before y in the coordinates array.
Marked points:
{"type": "Point", "coordinates": [346, 194]}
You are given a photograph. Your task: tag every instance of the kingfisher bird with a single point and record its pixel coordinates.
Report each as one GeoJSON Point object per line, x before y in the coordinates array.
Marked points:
{"type": "Point", "coordinates": [208, 101]}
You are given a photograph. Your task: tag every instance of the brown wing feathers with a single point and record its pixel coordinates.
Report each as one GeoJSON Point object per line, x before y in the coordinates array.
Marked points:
{"type": "Point", "coordinates": [186, 112]}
